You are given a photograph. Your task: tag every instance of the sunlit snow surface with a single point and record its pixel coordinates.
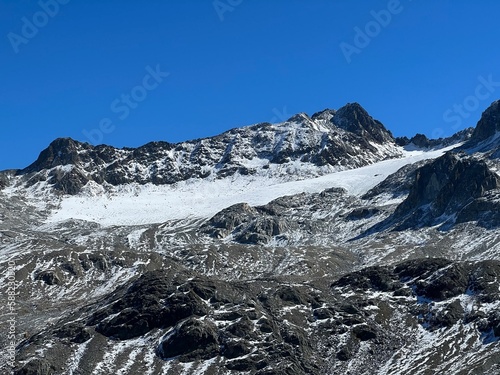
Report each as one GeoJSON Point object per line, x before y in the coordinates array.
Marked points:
{"type": "Point", "coordinates": [135, 204]}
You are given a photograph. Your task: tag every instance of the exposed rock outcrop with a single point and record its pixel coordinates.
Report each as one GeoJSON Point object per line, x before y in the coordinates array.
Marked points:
{"type": "Point", "coordinates": [451, 187]}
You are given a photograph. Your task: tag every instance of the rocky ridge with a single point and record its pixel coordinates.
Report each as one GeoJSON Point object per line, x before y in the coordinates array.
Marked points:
{"type": "Point", "coordinates": [311, 146]}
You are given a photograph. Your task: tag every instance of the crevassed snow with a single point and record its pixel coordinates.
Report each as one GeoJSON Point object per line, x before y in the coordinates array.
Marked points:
{"type": "Point", "coordinates": [147, 204]}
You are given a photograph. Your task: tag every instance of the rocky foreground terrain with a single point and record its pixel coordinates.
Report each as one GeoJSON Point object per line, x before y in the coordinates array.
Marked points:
{"type": "Point", "coordinates": [321, 245]}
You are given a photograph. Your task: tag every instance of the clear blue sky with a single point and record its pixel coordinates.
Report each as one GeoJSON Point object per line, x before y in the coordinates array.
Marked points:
{"type": "Point", "coordinates": [239, 64]}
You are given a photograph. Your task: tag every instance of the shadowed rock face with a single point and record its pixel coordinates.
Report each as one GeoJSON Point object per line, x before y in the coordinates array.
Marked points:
{"type": "Point", "coordinates": [353, 118]}
{"type": "Point", "coordinates": [191, 339]}
{"type": "Point", "coordinates": [36, 367]}
{"type": "Point", "coordinates": [447, 186]}
{"type": "Point", "coordinates": [488, 125]}
{"type": "Point", "coordinates": [421, 141]}
{"type": "Point", "coordinates": [62, 151]}
{"type": "Point", "coordinates": [433, 280]}
{"type": "Point", "coordinates": [261, 230]}
{"type": "Point", "coordinates": [151, 302]}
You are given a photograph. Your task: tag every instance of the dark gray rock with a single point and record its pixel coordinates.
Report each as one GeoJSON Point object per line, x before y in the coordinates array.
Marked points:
{"type": "Point", "coordinates": [248, 364]}
{"type": "Point", "coordinates": [362, 213]}
{"type": "Point", "coordinates": [234, 349]}
{"type": "Point", "coordinates": [353, 118]}
{"type": "Point", "coordinates": [292, 295]}
{"type": "Point", "coordinates": [364, 332]}
{"type": "Point", "coordinates": [98, 260]}
{"type": "Point", "coordinates": [448, 282]}
{"type": "Point", "coordinates": [151, 302]}
{"type": "Point", "coordinates": [191, 340]}
{"type": "Point", "coordinates": [488, 125]}
{"type": "Point", "coordinates": [420, 268]}
{"type": "Point", "coordinates": [485, 279]}
{"type": "Point", "coordinates": [149, 313]}
{"type": "Point", "coordinates": [75, 332]}
{"type": "Point", "coordinates": [484, 210]}
{"type": "Point", "coordinates": [326, 115]}
{"type": "Point", "coordinates": [345, 354]}
{"type": "Point", "coordinates": [444, 188]}
{"type": "Point", "coordinates": [244, 328]}
{"type": "Point", "coordinates": [377, 278]}
{"type": "Point", "coordinates": [52, 277]}
{"type": "Point", "coordinates": [67, 182]}
{"type": "Point", "coordinates": [73, 268]}
{"type": "Point", "coordinates": [446, 318]}
{"type": "Point", "coordinates": [62, 151]}
{"type": "Point", "coordinates": [36, 367]}
{"type": "Point", "coordinates": [224, 222]}
{"type": "Point", "coordinates": [249, 225]}
{"type": "Point", "coordinates": [261, 230]}
{"type": "Point", "coordinates": [421, 141]}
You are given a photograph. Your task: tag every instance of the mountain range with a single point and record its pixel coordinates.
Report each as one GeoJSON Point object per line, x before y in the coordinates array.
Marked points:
{"type": "Point", "coordinates": [319, 245]}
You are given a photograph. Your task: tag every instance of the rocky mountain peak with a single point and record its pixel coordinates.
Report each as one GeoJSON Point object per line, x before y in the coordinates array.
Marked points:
{"type": "Point", "coordinates": [421, 141]}
{"type": "Point", "coordinates": [62, 151]}
{"type": "Point", "coordinates": [325, 114]}
{"type": "Point", "coordinates": [488, 125]}
{"type": "Point", "coordinates": [354, 118]}
{"type": "Point", "coordinates": [299, 117]}
{"type": "Point", "coordinates": [332, 141]}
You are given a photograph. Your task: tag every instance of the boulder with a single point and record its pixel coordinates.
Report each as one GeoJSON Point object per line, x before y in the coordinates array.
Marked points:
{"type": "Point", "coordinates": [190, 340]}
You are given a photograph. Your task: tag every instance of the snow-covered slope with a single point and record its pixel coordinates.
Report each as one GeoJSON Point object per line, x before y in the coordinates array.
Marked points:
{"type": "Point", "coordinates": [135, 204]}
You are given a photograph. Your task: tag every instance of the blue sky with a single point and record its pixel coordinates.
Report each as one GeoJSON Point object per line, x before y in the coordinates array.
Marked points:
{"type": "Point", "coordinates": [126, 72]}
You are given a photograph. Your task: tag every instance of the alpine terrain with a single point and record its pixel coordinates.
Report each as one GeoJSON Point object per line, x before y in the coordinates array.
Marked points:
{"type": "Point", "coordinates": [319, 245]}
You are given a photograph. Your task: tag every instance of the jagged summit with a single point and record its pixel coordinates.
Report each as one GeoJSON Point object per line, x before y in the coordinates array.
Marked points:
{"type": "Point", "coordinates": [299, 117]}
{"type": "Point", "coordinates": [325, 114]}
{"type": "Point", "coordinates": [485, 137]}
{"type": "Point", "coordinates": [300, 147]}
{"type": "Point", "coordinates": [488, 125]}
{"type": "Point", "coordinates": [61, 151]}
{"type": "Point", "coordinates": [421, 141]}
{"type": "Point", "coordinates": [354, 118]}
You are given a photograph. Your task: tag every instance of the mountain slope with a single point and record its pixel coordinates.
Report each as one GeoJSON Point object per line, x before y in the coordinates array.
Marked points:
{"type": "Point", "coordinates": [318, 245]}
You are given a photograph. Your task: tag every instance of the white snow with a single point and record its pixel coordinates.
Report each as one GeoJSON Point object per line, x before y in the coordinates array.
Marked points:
{"type": "Point", "coordinates": [201, 198]}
